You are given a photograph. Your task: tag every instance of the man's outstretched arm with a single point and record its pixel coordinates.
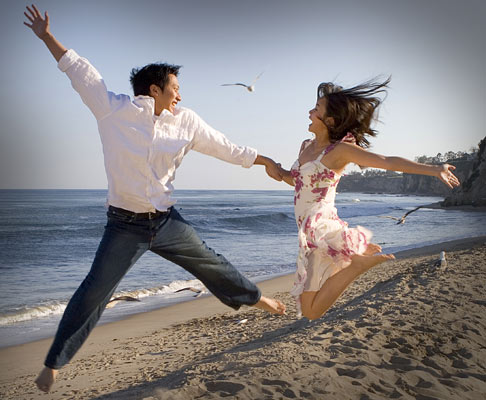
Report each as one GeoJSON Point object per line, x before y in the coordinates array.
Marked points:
{"type": "Point", "coordinates": [85, 79]}
{"type": "Point", "coordinates": [40, 26]}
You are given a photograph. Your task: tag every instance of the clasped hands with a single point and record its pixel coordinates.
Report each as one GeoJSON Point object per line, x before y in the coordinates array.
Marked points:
{"type": "Point", "coordinates": [274, 170]}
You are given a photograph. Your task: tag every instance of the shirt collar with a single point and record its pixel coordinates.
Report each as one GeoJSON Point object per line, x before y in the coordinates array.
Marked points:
{"type": "Point", "coordinates": [144, 102]}
{"type": "Point", "coordinates": [149, 102]}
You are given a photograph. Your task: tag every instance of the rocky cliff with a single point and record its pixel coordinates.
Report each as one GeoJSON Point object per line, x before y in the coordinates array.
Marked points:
{"type": "Point", "coordinates": [473, 189]}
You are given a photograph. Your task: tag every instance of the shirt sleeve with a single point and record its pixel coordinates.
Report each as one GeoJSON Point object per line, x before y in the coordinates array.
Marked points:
{"type": "Point", "coordinates": [89, 84]}
{"type": "Point", "coordinates": [209, 141]}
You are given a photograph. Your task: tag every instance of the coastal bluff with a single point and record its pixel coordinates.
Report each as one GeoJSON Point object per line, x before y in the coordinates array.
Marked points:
{"type": "Point", "coordinates": [472, 192]}
{"type": "Point", "coordinates": [470, 169]}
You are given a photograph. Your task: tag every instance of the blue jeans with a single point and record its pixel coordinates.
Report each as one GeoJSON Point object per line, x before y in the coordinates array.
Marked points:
{"type": "Point", "coordinates": [125, 240]}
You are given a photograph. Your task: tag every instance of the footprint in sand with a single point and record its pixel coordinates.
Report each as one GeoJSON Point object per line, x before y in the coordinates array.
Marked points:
{"type": "Point", "coordinates": [424, 384]}
{"type": "Point", "coordinates": [355, 344]}
{"type": "Point", "coordinates": [396, 360]}
{"type": "Point", "coordinates": [275, 382]}
{"type": "Point", "coordinates": [353, 373]}
{"type": "Point", "coordinates": [341, 349]}
{"type": "Point", "coordinates": [225, 388]}
{"type": "Point", "coordinates": [401, 363]}
{"type": "Point", "coordinates": [451, 383]}
{"type": "Point", "coordinates": [283, 387]}
{"type": "Point", "coordinates": [459, 364]}
{"type": "Point", "coordinates": [464, 353]}
{"type": "Point", "coordinates": [432, 364]}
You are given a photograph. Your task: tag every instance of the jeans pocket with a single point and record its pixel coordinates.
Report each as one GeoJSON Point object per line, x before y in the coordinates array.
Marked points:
{"type": "Point", "coordinates": [116, 216]}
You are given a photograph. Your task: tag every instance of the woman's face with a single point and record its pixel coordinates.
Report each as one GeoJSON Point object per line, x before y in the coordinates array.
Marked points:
{"type": "Point", "coordinates": [317, 115]}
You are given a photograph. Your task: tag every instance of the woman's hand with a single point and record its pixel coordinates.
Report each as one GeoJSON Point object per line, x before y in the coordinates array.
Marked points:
{"type": "Point", "coordinates": [444, 173]}
{"type": "Point", "coordinates": [39, 25]}
{"type": "Point", "coordinates": [271, 167]}
{"type": "Point", "coordinates": [273, 170]}
{"type": "Point", "coordinates": [286, 175]}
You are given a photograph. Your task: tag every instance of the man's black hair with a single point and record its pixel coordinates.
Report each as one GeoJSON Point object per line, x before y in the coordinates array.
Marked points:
{"type": "Point", "coordinates": [151, 74]}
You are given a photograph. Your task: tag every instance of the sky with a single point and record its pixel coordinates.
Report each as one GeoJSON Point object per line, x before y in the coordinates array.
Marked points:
{"type": "Point", "coordinates": [434, 50]}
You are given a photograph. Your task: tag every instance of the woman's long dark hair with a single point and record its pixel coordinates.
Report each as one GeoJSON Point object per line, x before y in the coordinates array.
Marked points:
{"type": "Point", "coordinates": [353, 109]}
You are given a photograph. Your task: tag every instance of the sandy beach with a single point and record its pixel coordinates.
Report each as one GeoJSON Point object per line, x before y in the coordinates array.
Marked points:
{"type": "Point", "coordinates": [408, 329]}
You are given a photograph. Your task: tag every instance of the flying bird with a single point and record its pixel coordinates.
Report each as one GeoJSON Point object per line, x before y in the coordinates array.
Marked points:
{"type": "Point", "coordinates": [198, 292]}
{"type": "Point", "coordinates": [115, 300]}
{"type": "Point", "coordinates": [250, 88]}
{"type": "Point", "coordinates": [401, 220]}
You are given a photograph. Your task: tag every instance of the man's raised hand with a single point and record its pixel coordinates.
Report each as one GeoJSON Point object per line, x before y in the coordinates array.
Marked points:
{"type": "Point", "coordinates": [39, 25]}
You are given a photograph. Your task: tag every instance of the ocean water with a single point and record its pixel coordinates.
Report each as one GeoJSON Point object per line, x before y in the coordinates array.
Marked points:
{"type": "Point", "coordinates": [48, 239]}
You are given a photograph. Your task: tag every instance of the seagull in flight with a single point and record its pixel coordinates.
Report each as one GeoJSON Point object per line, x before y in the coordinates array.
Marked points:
{"type": "Point", "coordinates": [401, 220]}
{"type": "Point", "coordinates": [115, 300]}
{"type": "Point", "coordinates": [198, 292]}
{"type": "Point", "coordinates": [250, 88]}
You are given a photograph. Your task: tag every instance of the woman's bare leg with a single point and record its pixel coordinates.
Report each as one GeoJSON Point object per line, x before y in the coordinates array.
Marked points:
{"type": "Point", "coordinates": [315, 304]}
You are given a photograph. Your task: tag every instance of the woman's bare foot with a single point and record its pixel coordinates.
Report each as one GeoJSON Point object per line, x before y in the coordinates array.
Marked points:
{"type": "Point", "coordinates": [364, 263]}
{"type": "Point", "coordinates": [372, 248]}
{"type": "Point", "coordinates": [46, 379]}
{"type": "Point", "coordinates": [271, 305]}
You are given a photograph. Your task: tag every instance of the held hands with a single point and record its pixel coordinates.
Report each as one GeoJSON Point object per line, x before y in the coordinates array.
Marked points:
{"type": "Point", "coordinates": [273, 170]}
{"type": "Point", "coordinates": [444, 173]}
{"type": "Point", "coordinates": [39, 25]}
{"type": "Point", "coordinates": [271, 167]}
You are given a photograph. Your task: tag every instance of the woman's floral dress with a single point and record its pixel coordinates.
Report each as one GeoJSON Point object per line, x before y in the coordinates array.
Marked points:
{"type": "Point", "coordinates": [320, 229]}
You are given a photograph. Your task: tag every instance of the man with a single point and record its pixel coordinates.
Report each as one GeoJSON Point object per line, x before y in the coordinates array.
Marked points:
{"type": "Point", "coordinates": [144, 141]}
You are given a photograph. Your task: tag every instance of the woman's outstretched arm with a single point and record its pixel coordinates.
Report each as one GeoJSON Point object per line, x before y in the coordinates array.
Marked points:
{"type": "Point", "coordinates": [350, 153]}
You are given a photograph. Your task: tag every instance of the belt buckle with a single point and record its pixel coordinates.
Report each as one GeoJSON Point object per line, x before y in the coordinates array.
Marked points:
{"type": "Point", "coordinates": [153, 215]}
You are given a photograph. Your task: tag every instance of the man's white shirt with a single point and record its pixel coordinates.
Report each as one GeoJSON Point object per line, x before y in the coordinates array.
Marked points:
{"type": "Point", "coordinates": [142, 150]}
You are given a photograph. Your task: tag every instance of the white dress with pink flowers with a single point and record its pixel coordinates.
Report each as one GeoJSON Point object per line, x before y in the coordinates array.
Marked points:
{"type": "Point", "coordinates": [326, 244]}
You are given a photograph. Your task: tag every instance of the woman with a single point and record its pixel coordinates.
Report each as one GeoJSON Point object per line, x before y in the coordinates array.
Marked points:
{"type": "Point", "coordinates": [331, 255]}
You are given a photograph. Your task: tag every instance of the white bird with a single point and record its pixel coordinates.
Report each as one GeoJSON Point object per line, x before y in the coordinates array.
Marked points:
{"type": "Point", "coordinates": [250, 88]}
{"type": "Point", "coordinates": [441, 262]}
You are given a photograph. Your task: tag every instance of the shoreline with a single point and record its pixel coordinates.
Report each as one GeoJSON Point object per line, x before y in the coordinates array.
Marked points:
{"type": "Point", "coordinates": [272, 283]}
{"type": "Point", "coordinates": [180, 349]}
{"type": "Point", "coordinates": [463, 207]}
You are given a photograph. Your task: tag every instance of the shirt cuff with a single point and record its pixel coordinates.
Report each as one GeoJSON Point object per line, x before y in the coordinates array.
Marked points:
{"type": "Point", "coordinates": [250, 159]}
{"type": "Point", "coordinates": [67, 59]}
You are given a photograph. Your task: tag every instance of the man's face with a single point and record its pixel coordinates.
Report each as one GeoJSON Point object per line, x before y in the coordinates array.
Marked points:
{"type": "Point", "coordinates": [170, 96]}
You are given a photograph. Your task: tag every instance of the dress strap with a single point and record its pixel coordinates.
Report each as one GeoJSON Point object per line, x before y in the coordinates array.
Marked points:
{"type": "Point", "coordinates": [324, 152]}
{"type": "Point", "coordinates": [305, 144]}
{"type": "Point", "coordinates": [349, 138]}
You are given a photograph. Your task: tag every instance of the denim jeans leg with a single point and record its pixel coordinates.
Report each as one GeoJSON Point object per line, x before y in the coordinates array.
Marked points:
{"type": "Point", "coordinates": [177, 241]}
{"type": "Point", "coordinates": [120, 247]}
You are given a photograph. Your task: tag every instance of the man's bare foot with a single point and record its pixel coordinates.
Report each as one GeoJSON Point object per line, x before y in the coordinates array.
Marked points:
{"type": "Point", "coordinates": [46, 379]}
{"type": "Point", "coordinates": [364, 263]}
{"type": "Point", "coordinates": [271, 305]}
{"type": "Point", "coordinates": [372, 248]}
